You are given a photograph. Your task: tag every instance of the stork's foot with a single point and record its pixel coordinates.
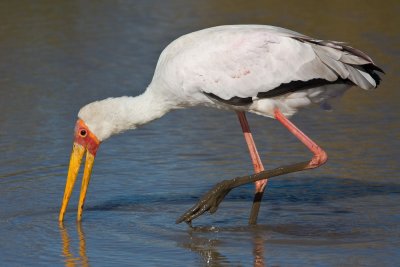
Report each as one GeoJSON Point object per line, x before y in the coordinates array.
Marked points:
{"type": "Point", "coordinates": [209, 202]}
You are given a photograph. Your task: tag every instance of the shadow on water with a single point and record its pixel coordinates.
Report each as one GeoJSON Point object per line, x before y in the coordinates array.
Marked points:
{"type": "Point", "coordinates": [280, 191]}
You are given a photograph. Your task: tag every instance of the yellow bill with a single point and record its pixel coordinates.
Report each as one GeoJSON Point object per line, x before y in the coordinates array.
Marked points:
{"type": "Point", "coordinates": [84, 141]}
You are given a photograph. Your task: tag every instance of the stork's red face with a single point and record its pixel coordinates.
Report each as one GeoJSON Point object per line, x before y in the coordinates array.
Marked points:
{"type": "Point", "coordinates": [84, 140]}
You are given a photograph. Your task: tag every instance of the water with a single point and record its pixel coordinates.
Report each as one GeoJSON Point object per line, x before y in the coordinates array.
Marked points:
{"type": "Point", "coordinates": [56, 57]}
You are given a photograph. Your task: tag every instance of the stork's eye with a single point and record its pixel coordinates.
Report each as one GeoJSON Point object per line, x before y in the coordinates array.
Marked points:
{"type": "Point", "coordinates": [83, 132]}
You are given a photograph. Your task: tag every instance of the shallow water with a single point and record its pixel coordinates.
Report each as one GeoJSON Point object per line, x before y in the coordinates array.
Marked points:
{"type": "Point", "coordinates": [57, 57]}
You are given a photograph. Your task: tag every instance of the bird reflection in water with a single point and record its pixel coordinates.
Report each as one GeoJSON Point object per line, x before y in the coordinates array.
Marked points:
{"type": "Point", "coordinates": [70, 259]}
{"type": "Point", "coordinates": [207, 248]}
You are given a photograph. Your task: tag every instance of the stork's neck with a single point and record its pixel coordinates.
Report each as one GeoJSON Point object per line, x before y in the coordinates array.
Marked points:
{"type": "Point", "coordinates": [115, 115]}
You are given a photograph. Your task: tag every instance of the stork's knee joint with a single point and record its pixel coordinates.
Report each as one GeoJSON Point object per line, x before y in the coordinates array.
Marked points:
{"type": "Point", "coordinates": [319, 158]}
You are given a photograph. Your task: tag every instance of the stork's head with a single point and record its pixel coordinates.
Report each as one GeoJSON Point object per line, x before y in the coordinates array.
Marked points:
{"type": "Point", "coordinates": [97, 122]}
{"type": "Point", "coordinates": [92, 127]}
{"type": "Point", "coordinates": [84, 141]}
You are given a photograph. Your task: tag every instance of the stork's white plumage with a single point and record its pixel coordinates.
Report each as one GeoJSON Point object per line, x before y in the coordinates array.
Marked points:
{"type": "Point", "coordinates": [265, 70]}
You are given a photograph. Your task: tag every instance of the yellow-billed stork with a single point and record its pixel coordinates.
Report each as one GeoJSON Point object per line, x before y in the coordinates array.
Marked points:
{"type": "Point", "coordinates": [266, 70]}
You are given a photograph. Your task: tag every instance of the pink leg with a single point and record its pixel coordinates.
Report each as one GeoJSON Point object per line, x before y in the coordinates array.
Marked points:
{"type": "Point", "coordinates": [320, 156]}
{"type": "Point", "coordinates": [255, 158]}
{"type": "Point", "coordinates": [258, 167]}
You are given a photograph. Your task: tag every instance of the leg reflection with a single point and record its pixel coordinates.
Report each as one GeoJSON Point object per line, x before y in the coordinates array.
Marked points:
{"type": "Point", "coordinates": [206, 248]}
{"type": "Point", "coordinates": [70, 259]}
{"type": "Point", "coordinates": [258, 250]}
